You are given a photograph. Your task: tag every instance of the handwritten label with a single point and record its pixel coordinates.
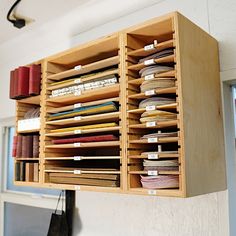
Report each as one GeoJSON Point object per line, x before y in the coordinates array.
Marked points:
{"type": "Point", "coordinates": [77, 158]}
{"type": "Point", "coordinates": [152, 172]}
{"type": "Point", "coordinates": [77, 93]}
{"type": "Point", "coordinates": [151, 124]}
{"type": "Point", "coordinates": [77, 118]}
{"type": "Point", "coordinates": [77, 81]}
{"type": "Point", "coordinates": [77, 105]}
{"type": "Point", "coordinates": [152, 140]}
{"type": "Point", "coordinates": [78, 131]}
{"type": "Point", "coordinates": [79, 67]}
{"type": "Point", "coordinates": [153, 156]}
{"type": "Point", "coordinates": [150, 108]}
{"type": "Point", "coordinates": [149, 62]}
{"type": "Point", "coordinates": [76, 144]}
{"type": "Point", "coordinates": [77, 172]}
{"type": "Point", "coordinates": [149, 77]}
{"type": "Point", "coordinates": [148, 47]}
{"type": "Point", "coordinates": [150, 92]}
{"type": "Point", "coordinates": [152, 192]}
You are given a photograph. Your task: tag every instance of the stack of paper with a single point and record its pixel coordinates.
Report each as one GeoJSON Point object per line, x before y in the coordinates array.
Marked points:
{"type": "Point", "coordinates": [161, 165]}
{"type": "Point", "coordinates": [157, 115]}
{"type": "Point", "coordinates": [160, 181]}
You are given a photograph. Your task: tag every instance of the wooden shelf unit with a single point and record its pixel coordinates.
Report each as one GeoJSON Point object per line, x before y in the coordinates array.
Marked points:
{"type": "Point", "coordinates": [195, 99]}
{"type": "Point", "coordinates": [22, 107]}
{"type": "Point", "coordinates": [74, 68]}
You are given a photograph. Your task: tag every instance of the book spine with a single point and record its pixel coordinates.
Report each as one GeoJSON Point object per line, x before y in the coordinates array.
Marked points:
{"type": "Point", "coordinates": [14, 146]}
{"type": "Point", "coordinates": [11, 90]}
{"type": "Point", "coordinates": [23, 82]}
{"type": "Point", "coordinates": [35, 146]}
{"type": "Point", "coordinates": [19, 147]}
{"type": "Point", "coordinates": [34, 79]}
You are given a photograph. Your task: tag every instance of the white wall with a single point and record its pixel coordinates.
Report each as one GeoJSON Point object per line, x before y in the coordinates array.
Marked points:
{"type": "Point", "coordinates": [111, 214]}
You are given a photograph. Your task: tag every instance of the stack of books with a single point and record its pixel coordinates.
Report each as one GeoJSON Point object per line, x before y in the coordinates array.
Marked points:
{"type": "Point", "coordinates": [25, 82]}
{"type": "Point", "coordinates": [27, 171]}
{"type": "Point", "coordinates": [26, 146]}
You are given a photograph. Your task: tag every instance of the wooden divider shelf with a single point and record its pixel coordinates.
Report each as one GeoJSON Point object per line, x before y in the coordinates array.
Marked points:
{"type": "Point", "coordinates": [150, 95]}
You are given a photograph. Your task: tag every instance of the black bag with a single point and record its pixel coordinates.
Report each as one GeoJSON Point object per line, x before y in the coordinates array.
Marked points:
{"type": "Point", "coordinates": [58, 224]}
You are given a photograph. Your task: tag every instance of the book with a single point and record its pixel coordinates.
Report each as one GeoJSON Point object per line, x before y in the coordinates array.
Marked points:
{"type": "Point", "coordinates": [12, 80]}
{"type": "Point", "coordinates": [22, 171]}
{"type": "Point", "coordinates": [17, 171]}
{"type": "Point", "coordinates": [23, 82]}
{"type": "Point", "coordinates": [15, 83]}
{"type": "Point", "coordinates": [29, 172]}
{"type": "Point", "coordinates": [14, 146]}
{"type": "Point", "coordinates": [27, 146]}
{"type": "Point", "coordinates": [19, 146]}
{"type": "Point", "coordinates": [36, 172]}
{"type": "Point", "coordinates": [156, 101]}
{"type": "Point", "coordinates": [85, 179]}
{"type": "Point", "coordinates": [95, 138]}
{"type": "Point", "coordinates": [34, 79]}
{"type": "Point", "coordinates": [35, 146]}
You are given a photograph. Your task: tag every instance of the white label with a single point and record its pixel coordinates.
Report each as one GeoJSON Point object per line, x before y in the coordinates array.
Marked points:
{"type": "Point", "coordinates": [76, 144]}
{"type": "Point", "coordinates": [78, 105]}
{"type": "Point", "coordinates": [150, 108]}
{"type": "Point", "coordinates": [151, 124]}
{"type": "Point", "coordinates": [152, 172]}
{"type": "Point", "coordinates": [77, 188]}
{"type": "Point", "coordinates": [159, 148]}
{"type": "Point", "coordinates": [152, 192]}
{"type": "Point", "coordinates": [149, 62]}
{"type": "Point", "coordinates": [77, 158]}
{"type": "Point", "coordinates": [152, 156]}
{"type": "Point", "coordinates": [78, 131]}
{"type": "Point", "coordinates": [150, 92]}
{"type": "Point", "coordinates": [77, 93]}
{"type": "Point", "coordinates": [77, 172]}
{"type": "Point", "coordinates": [77, 81]}
{"type": "Point", "coordinates": [152, 140]}
{"type": "Point", "coordinates": [77, 118]}
{"type": "Point", "coordinates": [149, 77]}
{"type": "Point", "coordinates": [79, 67]}
{"type": "Point", "coordinates": [149, 47]}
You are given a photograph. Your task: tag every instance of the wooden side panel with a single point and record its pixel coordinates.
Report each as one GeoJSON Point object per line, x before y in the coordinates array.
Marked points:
{"type": "Point", "coordinates": [201, 112]}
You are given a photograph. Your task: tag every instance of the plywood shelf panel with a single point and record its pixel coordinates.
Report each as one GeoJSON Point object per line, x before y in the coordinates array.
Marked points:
{"type": "Point", "coordinates": [85, 145]}
{"type": "Point", "coordinates": [74, 81]}
{"type": "Point", "coordinates": [143, 172]}
{"type": "Point", "coordinates": [167, 59]}
{"type": "Point", "coordinates": [160, 91]}
{"type": "Point", "coordinates": [71, 107]}
{"type": "Point", "coordinates": [83, 171]}
{"type": "Point", "coordinates": [34, 100]}
{"type": "Point", "coordinates": [165, 75]}
{"type": "Point", "coordinates": [26, 159]}
{"type": "Point", "coordinates": [28, 131]}
{"type": "Point", "coordinates": [160, 155]}
{"type": "Point", "coordinates": [78, 158]}
{"type": "Point", "coordinates": [172, 106]}
{"type": "Point", "coordinates": [106, 117]}
{"type": "Point", "coordinates": [157, 47]}
{"type": "Point", "coordinates": [84, 131]}
{"type": "Point", "coordinates": [159, 140]}
{"type": "Point", "coordinates": [161, 124]}
{"type": "Point", "coordinates": [86, 68]}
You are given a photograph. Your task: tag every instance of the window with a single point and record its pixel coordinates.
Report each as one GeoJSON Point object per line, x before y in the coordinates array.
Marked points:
{"type": "Point", "coordinates": [27, 209]}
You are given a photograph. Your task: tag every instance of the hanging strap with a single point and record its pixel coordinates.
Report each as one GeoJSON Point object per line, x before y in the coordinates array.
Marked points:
{"type": "Point", "coordinates": [59, 199]}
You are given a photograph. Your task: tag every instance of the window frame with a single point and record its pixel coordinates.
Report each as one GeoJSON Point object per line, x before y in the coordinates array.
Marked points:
{"type": "Point", "coordinates": [45, 201]}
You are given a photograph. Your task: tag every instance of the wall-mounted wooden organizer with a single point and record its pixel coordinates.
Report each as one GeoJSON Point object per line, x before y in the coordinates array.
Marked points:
{"type": "Point", "coordinates": [136, 112]}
